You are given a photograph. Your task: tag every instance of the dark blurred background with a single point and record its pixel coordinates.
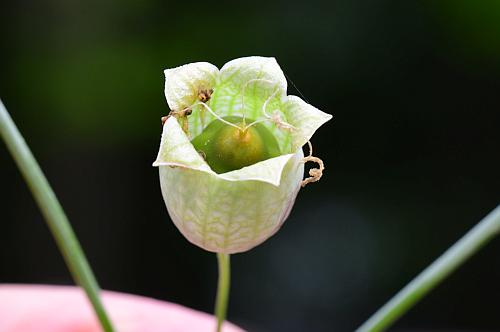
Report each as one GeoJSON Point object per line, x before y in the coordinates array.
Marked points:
{"type": "Point", "coordinates": [412, 153]}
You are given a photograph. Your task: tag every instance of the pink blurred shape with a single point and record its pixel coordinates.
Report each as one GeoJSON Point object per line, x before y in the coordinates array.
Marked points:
{"type": "Point", "coordinates": [41, 308]}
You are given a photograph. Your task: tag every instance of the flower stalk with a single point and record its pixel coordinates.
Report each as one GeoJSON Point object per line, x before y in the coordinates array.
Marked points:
{"type": "Point", "coordinates": [54, 215]}
{"type": "Point", "coordinates": [223, 286]}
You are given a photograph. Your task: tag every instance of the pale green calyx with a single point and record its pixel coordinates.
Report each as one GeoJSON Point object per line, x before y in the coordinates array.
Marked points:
{"type": "Point", "coordinates": [233, 211]}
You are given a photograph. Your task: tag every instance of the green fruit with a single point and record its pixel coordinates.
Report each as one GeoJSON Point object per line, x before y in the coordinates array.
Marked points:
{"type": "Point", "coordinates": [226, 148]}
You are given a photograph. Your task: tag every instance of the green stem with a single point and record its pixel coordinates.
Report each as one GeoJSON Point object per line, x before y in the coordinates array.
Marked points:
{"type": "Point", "coordinates": [442, 267]}
{"type": "Point", "coordinates": [222, 289]}
{"type": "Point", "coordinates": [53, 213]}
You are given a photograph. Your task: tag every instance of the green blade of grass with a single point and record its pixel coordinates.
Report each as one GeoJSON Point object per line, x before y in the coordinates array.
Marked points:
{"type": "Point", "coordinates": [53, 213]}
{"type": "Point", "coordinates": [435, 273]}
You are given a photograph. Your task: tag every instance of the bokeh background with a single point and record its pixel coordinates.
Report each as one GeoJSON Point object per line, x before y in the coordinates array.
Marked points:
{"type": "Point", "coordinates": [412, 153]}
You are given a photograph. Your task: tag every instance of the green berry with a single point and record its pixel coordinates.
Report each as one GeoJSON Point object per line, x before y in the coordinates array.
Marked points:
{"type": "Point", "coordinates": [226, 148]}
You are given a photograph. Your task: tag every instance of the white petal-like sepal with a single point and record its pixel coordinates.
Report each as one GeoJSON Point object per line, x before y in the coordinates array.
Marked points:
{"type": "Point", "coordinates": [228, 216]}
{"type": "Point", "coordinates": [177, 150]}
{"type": "Point", "coordinates": [305, 118]}
{"type": "Point", "coordinates": [183, 84]}
{"type": "Point", "coordinates": [240, 71]}
{"type": "Point", "coordinates": [269, 170]}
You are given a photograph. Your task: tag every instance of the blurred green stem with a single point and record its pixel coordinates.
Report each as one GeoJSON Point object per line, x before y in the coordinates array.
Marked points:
{"type": "Point", "coordinates": [442, 267]}
{"type": "Point", "coordinates": [53, 213]}
{"type": "Point", "coordinates": [222, 289]}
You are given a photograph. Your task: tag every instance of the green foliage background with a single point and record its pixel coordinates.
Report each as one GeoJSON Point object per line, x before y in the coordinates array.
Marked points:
{"type": "Point", "coordinates": [412, 152]}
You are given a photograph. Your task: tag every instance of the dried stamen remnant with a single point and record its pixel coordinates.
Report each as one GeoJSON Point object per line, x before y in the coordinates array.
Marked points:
{"type": "Point", "coordinates": [178, 114]}
{"type": "Point", "coordinates": [315, 173]}
{"type": "Point", "coordinates": [181, 116]}
{"type": "Point", "coordinates": [205, 94]}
